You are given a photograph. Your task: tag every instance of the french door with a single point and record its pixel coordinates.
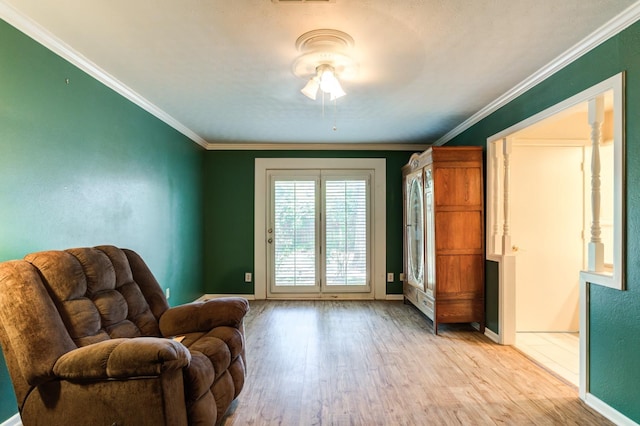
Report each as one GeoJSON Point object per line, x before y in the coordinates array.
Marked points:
{"type": "Point", "coordinates": [318, 231]}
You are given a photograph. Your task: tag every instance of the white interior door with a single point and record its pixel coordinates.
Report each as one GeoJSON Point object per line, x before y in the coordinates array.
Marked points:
{"type": "Point", "coordinates": [547, 226]}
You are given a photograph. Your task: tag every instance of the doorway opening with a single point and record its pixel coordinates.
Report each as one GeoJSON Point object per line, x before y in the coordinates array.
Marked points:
{"type": "Point", "coordinates": [554, 214]}
{"type": "Point", "coordinates": [548, 236]}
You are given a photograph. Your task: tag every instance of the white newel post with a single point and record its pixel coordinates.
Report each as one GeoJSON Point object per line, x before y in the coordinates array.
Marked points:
{"type": "Point", "coordinates": [507, 281]}
{"type": "Point", "coordinates": [596, 247]}
{"type": "Point", "coordinates": [506, 235]}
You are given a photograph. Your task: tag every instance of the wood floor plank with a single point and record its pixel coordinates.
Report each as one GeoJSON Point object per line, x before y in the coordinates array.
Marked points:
{"type": "Point", "coordinates": [378, 363]}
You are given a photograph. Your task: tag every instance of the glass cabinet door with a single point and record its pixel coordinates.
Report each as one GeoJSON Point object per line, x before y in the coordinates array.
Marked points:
{"type": "Point", "coordinates": [430, 233]}
{"type": "Point", "coordinates": [415, 230]}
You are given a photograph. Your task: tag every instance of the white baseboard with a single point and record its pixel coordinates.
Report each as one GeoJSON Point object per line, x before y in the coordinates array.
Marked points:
{"type": "Point", "coordinates": [609, 412]}
{"type": "Point", "coordinates": [14, 420]}
{"type": "Point", "coordinates": [491, 335]}
{"type": "Point", "coordinates": [252, 297]}
{"type": "Point", "coordinates": [601, 407]}
{"type": "Point", "coordinates": [394, 297]}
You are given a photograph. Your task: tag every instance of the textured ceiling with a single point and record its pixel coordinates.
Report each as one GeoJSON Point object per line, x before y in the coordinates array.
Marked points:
{"type": "Point", "coordinates": [223, 69]}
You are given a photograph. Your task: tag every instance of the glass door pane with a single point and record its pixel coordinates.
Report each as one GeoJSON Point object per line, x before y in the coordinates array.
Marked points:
{"type": "Point", "coordinates": [292, 235]}
{"type": "Point", "coordinates": [346, 235]}
{"type": "Point", "coordinates": [430, 231]}
{"type": "Point", "coordinates": [415, 231]}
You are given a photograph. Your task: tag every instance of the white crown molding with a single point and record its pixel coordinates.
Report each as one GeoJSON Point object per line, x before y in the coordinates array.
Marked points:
{"type": "Point", "coordinates": [51, 42]}
{"type": "Point", "coordinates": [620, 22]}
{"type": "Point", "coordinates": [315, 147]}
{"type": "Point", "coordinates": [44, 37]}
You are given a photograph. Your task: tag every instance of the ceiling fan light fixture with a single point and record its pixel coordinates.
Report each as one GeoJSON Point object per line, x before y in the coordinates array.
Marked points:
{"type": "Point", "coordinates": [325, 55]}
{"type": "Point", "coordinates": [310, 90]}
{"type": "Point", "coordinates": [326, 81]}
{"type": "Point", "coordinates": [329, 83]}
{"type": "Point", "coordinates": [337, 91]}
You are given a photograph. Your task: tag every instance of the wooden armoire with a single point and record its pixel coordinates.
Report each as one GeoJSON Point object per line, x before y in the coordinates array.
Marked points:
{"type": "Point", "coordinates": [444, 234]}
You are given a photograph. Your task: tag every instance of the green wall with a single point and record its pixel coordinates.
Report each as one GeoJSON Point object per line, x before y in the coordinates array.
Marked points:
{"type": "Point", "coordinates": [81, 166]}
{"type": "Point", "coordinates": [228, 213]}
{"type": "Point", "coordinates": [615, 315]}
{"type": "Point", "coordinates": [491, 281]}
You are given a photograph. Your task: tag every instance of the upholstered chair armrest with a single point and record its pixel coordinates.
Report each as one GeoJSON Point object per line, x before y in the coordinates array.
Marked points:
{"type": "Point", "coordinates": [122, 358]}
{"type": "Point", "coordinates": [203, 316]}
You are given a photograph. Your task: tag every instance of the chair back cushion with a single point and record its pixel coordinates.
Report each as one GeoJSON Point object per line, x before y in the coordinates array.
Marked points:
{"type": "Point", "coordinates": [96, 293]}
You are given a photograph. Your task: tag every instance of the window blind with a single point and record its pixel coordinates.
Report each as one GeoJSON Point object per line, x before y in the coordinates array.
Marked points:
{"type": "Point", "coordinates": [294, 233]}
{"type": "Point", "coordinates": [346, 232]}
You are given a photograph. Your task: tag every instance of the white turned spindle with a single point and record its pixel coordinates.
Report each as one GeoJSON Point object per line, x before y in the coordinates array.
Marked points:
{"type": "Point", "coordinates": [596, 248]}
{"type": "Point", "coordinates": [506, 236]}
{"type": "Point", "coordinates": [495, 171]}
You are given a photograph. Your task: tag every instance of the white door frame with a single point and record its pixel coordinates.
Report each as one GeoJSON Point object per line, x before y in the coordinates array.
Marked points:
{"type": "Point", "coordinates": [379, 218]}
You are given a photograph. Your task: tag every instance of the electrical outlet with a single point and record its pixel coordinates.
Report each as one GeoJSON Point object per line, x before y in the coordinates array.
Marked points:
{"type": "Point", "coordinates": [390, 278]}
{"type": "Point", "coordinates": [167, 293]}
{"type": "Point", "coordinates": [247, 277]}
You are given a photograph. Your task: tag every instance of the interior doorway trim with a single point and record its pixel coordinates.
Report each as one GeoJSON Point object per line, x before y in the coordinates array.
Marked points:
{"type": "Point", "coordinates": [499, 248]}
{"type": "Point", "coordinates": [378, 203]}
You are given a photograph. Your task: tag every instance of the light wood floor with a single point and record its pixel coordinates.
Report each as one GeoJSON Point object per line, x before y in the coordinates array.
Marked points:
{"type": "Point", "coordinates": [377, 363]}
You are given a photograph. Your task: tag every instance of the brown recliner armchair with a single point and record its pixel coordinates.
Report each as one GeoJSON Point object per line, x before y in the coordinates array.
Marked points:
{"type": "Point", "coordinates": [87, 335]}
